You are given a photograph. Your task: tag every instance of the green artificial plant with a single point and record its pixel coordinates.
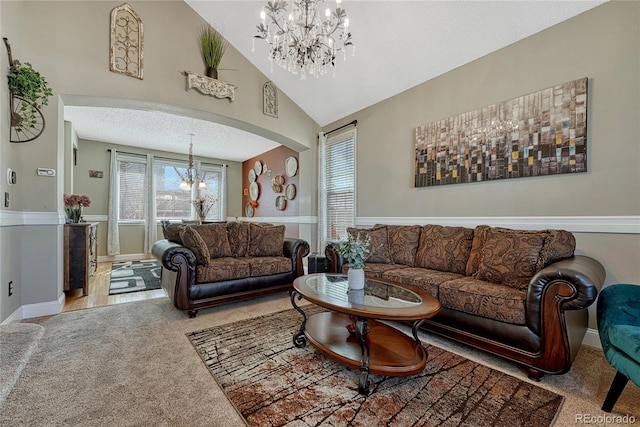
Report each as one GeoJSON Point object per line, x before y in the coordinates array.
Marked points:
{"type": "Point", "coordinates": [212, 47]}
{"type": "Point", "coordinates": [355, 250]}
{"type": "Point", "coordinates": [32, 87]}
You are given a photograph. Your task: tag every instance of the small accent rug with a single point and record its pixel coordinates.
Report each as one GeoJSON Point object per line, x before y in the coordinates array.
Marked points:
{"type": "Point", "coordinates": [134, 276]}
{"type": "Point", "coordinates": [273, 383]}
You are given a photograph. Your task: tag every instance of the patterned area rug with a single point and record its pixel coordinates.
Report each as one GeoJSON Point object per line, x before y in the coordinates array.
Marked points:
{"type": "Point", "coordinates": [273, 383]}
{"type": "Point", "coordinates": [134, 276]}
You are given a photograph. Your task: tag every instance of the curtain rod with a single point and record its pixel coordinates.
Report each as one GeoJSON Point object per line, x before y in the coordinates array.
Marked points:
{"type": "Point", "coordinates": [166, 158]}
{"type": "Point", "coordinates": [354, 123]}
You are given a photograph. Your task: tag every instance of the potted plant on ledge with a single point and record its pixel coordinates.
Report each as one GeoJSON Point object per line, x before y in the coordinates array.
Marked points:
{"type": "Point", "coordinates": [31, 90]}
{"type": "Point", "coordinates": [355, 251]}
{"type": "Point", "coordinates": [212, 47]}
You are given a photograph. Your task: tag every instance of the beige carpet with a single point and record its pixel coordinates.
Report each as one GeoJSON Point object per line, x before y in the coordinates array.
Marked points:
{"type": "Point", "coordinates": [132, 365]}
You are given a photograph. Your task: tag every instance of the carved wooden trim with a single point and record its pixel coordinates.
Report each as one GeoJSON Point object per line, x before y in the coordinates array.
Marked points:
{"type": "Point", "coordinates": [127, 40]}
{"type": "Point", "coordinates": [209, 86]}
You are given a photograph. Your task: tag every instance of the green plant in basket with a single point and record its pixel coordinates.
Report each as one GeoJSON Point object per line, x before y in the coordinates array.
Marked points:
{"type": "Point", "coordinates": [31, 86]}
{"type": "Point", "coordinates": [355, 250]}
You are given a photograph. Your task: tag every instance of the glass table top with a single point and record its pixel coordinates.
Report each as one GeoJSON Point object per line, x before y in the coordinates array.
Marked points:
{"type": "Point", "coordinates": [375, 293]}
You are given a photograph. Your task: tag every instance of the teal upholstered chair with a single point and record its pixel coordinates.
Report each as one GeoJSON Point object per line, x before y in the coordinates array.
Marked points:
{"type": "Point", "coordinates": [618, 312]}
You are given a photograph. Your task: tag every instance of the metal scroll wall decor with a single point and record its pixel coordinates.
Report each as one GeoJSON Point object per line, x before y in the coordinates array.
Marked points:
{"type": "Point", "coordinates": [270, 99]}
{"type": "Point", "coordinates": [542, 133]}
{"type": "Point", "coordinates": [126, 49]}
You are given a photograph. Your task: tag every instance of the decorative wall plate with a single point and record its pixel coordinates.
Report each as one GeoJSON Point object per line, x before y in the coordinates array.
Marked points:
{"type": "Point", "coordinates": [252, 175]}
{"type": "Point", "coordinates": [291, 166]}
{"type": "Point", "coordinates": [279, 179]}
{"type": "Point", "coordinates": [276, 187]}
{"type": "Point", "coordinates": [281, 203]}
{"type": "Point", "coordinates": [248, 210]}
{"type": "Point", "coordinates": [290, 191]}
{"type": "Point", "coordinates": [257, 167]}
{"type": "Point", "coordinates": [254, 191]}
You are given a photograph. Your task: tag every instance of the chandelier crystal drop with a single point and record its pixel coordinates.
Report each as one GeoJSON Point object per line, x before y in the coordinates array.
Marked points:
{"type": "Point", "coordinates": [305, 40]}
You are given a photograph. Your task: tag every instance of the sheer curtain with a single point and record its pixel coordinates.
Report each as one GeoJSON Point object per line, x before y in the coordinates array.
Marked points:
{"type": "Point", "coordinates": [113, 234]}
{"type": "Point", "coordinates": [150, 222]}
{"type": "Point", "coordinates": [322, 192]}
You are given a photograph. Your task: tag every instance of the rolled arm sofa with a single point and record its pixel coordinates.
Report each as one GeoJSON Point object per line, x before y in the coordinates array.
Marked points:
{"type": "Point", "coordinates": [211, 264]}
{"type": "Point", "coordinates": [522, 295]}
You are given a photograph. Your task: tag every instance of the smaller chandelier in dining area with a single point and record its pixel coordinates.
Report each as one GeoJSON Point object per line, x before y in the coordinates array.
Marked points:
{"type": "Point", "coordinates": [304, 39]}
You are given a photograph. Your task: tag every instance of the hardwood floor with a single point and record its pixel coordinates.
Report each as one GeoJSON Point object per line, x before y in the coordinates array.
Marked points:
{"type": "Point", "coordinates": [98, 292]}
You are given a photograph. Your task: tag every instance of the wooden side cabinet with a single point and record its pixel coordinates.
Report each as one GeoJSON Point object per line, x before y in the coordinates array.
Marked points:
{"type": "Point", "coordinates": [80, 255]}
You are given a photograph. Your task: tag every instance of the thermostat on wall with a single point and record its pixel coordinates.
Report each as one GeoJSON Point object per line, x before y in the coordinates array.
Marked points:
{"type": "Point", "coordinates": [46, 172]}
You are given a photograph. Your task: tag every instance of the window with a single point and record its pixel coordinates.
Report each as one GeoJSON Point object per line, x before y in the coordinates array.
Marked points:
{"type": "Point", "coordinates": [172, 201]}
{"type": "Point", "coordinates": [340, 180]}
{"type": "Point", "coordinates": [131, 185]}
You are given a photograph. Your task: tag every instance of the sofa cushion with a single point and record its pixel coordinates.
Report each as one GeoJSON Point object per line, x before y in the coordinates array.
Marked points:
{"type": "Point", "coordinates": [511, 257]}
{"type": "Point", "coordinates": [444, 248]}
{"type": "Point", "coordinates": [220, 269]}
{"type": "Point", "coordinates": [238, 234]}
{"type": "Point", "coordinates": [172, 232]}
{"type": "Point", "coordinates": [379, 246]}
{"type": "Point", "coordinates": [264, 266]}
{"type": "Point", "coordinates": [479, 235]}
{"type": "Point", "coordinates": [422, 278]}
{"type": "Point", "coordinates": [481, 298]}
{"type": "Point", "coordinates": [192, 240]}
{"type": "Point", "coordinates": [403, 243]}
{"type": "Point", "coordinates": [375, 270]}
{"type": "Point", "coordinates": [215, 237]}
{"type": "Point", "coordinates": [560, 244]}
{"type": "Point", "coordinates": [265, 240]}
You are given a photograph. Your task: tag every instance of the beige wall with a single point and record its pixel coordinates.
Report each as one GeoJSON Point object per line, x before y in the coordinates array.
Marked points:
{"type": "Point", "coordinates": [68, 42]}
{"type": "Point", "coordinates": [602, 44]}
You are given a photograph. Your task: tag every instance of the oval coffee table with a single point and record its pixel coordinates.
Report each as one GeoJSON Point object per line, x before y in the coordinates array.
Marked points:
{"type": "Point", "coordinates": [351, 334]}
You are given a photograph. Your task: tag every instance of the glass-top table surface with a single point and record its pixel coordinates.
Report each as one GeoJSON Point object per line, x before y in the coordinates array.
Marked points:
{"type": "Point", "coordinates": [376, 294]}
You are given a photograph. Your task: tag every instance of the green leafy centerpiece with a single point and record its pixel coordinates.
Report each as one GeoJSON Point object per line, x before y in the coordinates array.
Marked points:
{"type": "Point", "coordinates": [355, 251]}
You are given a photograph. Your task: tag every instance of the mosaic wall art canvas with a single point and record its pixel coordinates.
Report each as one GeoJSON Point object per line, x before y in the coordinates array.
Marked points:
{"type": "Point", "coordinates": [542, 133]}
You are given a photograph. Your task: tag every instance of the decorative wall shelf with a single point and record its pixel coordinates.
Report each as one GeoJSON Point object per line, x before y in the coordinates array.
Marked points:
{"type": "Point", "coordinates": [209, 86]}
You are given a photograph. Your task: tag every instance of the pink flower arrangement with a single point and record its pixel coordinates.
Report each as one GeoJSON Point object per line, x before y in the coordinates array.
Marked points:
{"type": "Point", "coordinates": [76, 199]}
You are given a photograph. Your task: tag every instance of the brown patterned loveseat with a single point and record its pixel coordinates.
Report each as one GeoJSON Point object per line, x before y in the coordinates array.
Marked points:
{"type": "Point", "coordinates": [522, 295]}
{"type": "Point", "coordinates": [210, 264]}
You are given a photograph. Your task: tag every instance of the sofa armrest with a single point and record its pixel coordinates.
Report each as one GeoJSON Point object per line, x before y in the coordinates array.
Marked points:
{"type": "Point", "coordinates": [296, 249]}
{"type": "Point", "coordinates": [336, 261]}
{"type": "Point", "coordinates": [569, 284]}
{"type": "Point", "coordinates": [176, 257]}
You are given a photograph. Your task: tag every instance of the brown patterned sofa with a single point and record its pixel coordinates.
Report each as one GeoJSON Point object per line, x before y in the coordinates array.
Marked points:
{"type": "Point", "coordinates": [210, 264]}
{"type": "Point", "coordinates": [522, 295]}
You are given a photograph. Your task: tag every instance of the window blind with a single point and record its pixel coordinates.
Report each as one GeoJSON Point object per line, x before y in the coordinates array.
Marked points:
{"type": "Point", "coordinates": [340, 176]}
{"type": "Point", "coordinates": [131, 174]}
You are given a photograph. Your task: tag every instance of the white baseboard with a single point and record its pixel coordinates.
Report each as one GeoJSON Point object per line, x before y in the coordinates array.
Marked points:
{"type": "Point", "coordinates": [43, 308]}
{"type": "Point", "coordinates": [125, 257]}
{"type": "Point", "coordinates": [16, 316]}
{"type": "Point", "coordinates": [592, 339]}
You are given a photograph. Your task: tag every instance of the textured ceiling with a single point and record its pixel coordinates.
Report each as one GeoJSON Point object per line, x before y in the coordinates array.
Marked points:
{"type": "Point", "coordinates": [398, 45]}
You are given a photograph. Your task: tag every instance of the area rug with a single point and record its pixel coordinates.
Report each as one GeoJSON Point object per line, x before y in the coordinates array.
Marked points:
{"type": "Point", "coordinates": [273, 383]}
{"type": "Point", "coordinates": [134, 276]}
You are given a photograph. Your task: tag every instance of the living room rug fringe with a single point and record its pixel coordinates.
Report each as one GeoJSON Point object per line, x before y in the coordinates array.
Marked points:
{"type": "Point", "coordinates": [273, 383]}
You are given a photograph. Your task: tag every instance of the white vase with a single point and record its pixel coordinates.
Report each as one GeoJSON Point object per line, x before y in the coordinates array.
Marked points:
{"type": "Point", "coordinates": [355, 278]}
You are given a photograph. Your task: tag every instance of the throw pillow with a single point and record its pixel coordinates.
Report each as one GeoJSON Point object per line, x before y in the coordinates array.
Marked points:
{"type": "Point", "coordinates": [403, 243]}
{"type": "Point", "coordinates": [172, 232]}
{"type": "Point", "coordinates": [379, 246]}
{"type": "Point", "coordinates": [511, 257]}
{"type": "Point", "coordinates": [265, 240]}
{"type": "Point", "coordinates": [238, 233]}
{"type": "Point", "coordinates": [560, 244]}
{"type": "Point", "coordinates": [444, 248]}
{"type": "Point", "coordinates": [215, 237]}
{"type": "Point", "coordinates": [479, 234]}
{"type": "Point", "coordinates": [194, 242]}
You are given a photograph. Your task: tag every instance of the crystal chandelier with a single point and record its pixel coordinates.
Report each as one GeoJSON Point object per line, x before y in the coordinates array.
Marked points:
{"type": "Point", "coordinates": [302, 40]}
{"type": "Point", "coordinates": [191, 175]}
